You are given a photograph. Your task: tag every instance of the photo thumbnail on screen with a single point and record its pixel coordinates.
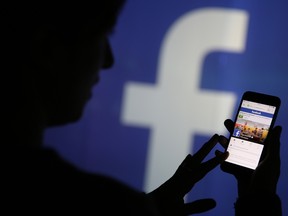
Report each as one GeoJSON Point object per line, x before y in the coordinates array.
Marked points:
{"type": "Point", "coordinates": [253, 121]}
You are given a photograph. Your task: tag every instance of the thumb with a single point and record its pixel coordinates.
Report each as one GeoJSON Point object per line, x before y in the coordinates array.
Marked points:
{"type": "Point", "coordinates": [199, 206]}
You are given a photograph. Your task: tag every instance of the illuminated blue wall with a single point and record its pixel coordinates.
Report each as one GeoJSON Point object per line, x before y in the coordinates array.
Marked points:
{"type": "Point", "coordinates": [170, 90]}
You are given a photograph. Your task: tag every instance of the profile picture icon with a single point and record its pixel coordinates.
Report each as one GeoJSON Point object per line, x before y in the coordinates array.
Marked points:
{"type": "Point", "coordinates": [237, 133]}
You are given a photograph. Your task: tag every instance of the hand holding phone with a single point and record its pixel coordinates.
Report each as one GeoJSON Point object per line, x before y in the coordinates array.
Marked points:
{"type": "Point", "coordinates": [254, 159]}
{"type": "Point", "coordinates": [254, 120]}
{"type": "Point", "coordinates": [257, 190]}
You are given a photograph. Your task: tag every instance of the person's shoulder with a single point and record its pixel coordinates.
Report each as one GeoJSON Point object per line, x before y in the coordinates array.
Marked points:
{"type": "Point", "coordinates": [56, 184]}
{"type": "Point", "coordinates": [105, 193]}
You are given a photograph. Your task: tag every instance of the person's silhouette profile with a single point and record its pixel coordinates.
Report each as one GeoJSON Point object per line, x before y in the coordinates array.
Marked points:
{"type": "Point", "coordinates": [53, 54]}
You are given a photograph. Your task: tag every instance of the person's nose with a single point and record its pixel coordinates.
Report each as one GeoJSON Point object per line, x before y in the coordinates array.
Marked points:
{"type": "Point", "coordinates": [108, 58]}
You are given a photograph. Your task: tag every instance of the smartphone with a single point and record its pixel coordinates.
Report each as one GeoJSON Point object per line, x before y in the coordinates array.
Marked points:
{"type": "Point", "coordinates": [255, 117]}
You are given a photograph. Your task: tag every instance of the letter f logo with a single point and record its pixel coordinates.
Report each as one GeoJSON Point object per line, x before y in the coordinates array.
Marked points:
{"type": "Point", "coordinates": [175, 108]}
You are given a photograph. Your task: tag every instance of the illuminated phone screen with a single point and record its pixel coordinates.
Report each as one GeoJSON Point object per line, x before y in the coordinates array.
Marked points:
{"type": "Point", "coordinates": [250, 131]}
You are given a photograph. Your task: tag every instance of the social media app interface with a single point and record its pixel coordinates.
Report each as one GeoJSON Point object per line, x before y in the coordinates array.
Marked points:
{"type": "Point", "coordinates": [250, 131]}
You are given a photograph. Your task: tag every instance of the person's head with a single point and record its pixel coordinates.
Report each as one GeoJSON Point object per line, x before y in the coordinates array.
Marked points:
{"type": "Point", "coordinates": [54, 54]}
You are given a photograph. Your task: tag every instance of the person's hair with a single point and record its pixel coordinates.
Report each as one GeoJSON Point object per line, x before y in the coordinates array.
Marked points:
{"type": "Point", "coordinates": [100, 13]}
{"type": "Point", "coordinates": [19, 21]}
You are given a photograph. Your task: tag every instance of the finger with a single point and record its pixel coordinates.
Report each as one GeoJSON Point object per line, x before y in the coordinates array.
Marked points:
{"type": "Point", "coordinates": [204, 150]}
{"type": "Point", "coordinates": [212, 163]}
{"type": "Point", "coordinates": [207, 166]}
{"type": "Point", "coordinates": [199, 206]}
{"type": "Point", "coordinates": [229, 124]}
{"type": "Point", "coordinates": [273, 143]}
{"type": "Point", "coordinates": [223, 141]}
{"type": "Point", "coordinates": [218, 153]}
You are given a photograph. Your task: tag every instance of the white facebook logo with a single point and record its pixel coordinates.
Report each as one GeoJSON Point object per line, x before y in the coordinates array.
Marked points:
{"type": "Point", "coordinates": [175, 108]}
{"type": "Point", "coordinates": [237, 133]}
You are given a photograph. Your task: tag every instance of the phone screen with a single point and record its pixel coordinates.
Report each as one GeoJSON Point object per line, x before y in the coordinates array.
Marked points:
{"type": "Point", "coordinates": [250, 131]}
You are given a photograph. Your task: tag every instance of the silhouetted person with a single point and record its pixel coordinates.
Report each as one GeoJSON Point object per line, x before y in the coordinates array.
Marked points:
{"type": "Point", "coordinates": [52, 57]}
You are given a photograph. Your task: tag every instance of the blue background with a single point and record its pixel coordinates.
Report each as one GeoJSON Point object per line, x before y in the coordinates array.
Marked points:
{"type": "Point", "coordinates": [99, 142]}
